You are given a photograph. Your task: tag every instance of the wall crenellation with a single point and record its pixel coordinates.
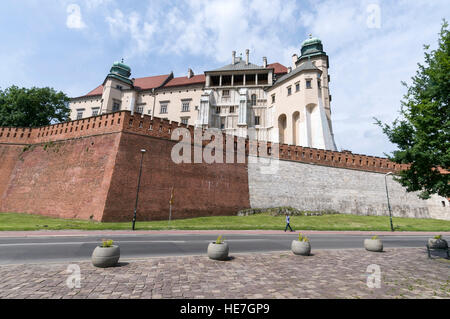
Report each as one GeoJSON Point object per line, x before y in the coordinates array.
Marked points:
{"type": "Point", "coordinates": [123, 121]}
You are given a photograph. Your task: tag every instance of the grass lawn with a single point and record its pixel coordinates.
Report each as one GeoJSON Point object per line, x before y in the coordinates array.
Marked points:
{"type": "Point", "coordinates": [12, 221]}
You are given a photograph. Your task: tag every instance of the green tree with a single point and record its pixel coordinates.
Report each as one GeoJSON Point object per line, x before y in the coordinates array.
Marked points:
{"type": "Point", "coordinates": [422, 132]}
{"type": "Point", "coordinates": [22, 107]}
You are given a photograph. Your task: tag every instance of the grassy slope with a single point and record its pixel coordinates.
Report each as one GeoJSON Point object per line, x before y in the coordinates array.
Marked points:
{"type": "Point", "coordinates": [11, 221]}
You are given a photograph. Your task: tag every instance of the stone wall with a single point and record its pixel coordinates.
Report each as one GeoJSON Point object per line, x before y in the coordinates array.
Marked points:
{"type": "Point", "coordinates": [318, 187]}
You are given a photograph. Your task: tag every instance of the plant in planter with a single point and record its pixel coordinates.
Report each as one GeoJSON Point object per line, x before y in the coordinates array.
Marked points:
{"type": "Point", "coordinates": [373, 244]}
{"type": "Point", "coordinates": [301, 246]}
{"type": "Point", "coordinates": [437, 243]}
{"type": "Point", "coordinates": [218, 250]}
{"type": "Point", "coordinates": [106, 255]}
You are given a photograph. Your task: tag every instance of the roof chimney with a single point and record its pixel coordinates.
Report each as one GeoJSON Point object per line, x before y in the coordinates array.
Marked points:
{"type": "Point", "coordinates": [247, 54]}
{"type": "Point", "coordinates": [265, 62]}
{"type": "Point", "coordinates": [294, 60]}
{"type": "Point", "coordinates": [233, 59]}
{"type": "Point", "coordinates": [190, 73]}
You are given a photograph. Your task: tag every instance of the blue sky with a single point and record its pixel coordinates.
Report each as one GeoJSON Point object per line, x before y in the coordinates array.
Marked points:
{"type": "Point", "coordinates": [373, 46]}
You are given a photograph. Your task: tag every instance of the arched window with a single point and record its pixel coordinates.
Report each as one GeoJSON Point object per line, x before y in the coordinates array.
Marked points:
{"type": "Point", "coordinates": [253, 100]}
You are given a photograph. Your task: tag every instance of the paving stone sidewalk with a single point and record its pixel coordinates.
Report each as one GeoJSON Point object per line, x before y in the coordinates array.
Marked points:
{"type": "Point", "coordinates": [405, 273]}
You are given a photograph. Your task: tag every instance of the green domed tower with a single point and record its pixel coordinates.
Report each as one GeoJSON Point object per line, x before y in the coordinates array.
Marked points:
{"type": "Point", "coordinates": [120, 71]}
{"type": "Point", "coordinates": [311, 47]}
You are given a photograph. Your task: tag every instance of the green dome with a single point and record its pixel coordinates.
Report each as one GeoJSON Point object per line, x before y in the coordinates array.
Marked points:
{"type": "Point", "coordinates": [312, 47]}
{"type": "Point", "coordinates": [122, 65]}
{"type": "Point", "coordinates": [311, 41]}
{"type": "Point", "coordinates": [121, 71]}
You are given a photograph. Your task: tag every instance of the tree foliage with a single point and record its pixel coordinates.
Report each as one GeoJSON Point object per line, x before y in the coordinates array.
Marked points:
{"type": "Point", "coordinates": [422, 133]}
{"type": "Point", "coordinates": [22, 107]}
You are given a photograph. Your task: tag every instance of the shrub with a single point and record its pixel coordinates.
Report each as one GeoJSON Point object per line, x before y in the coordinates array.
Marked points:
{"type": "Point", "coordinates": [107, 243]}
{"type": "Point", "coordinates": [302, 238]}
{"type": "Point", "coordinates": [284, 210]}
{"type": "Point", "coordinates": [219, 239]}
{"type": "Point", "coordinates": [438, 237]}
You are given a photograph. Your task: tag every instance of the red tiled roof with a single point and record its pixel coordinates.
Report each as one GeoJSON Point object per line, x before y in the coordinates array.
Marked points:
{"type": "Point", "coordinates": [97, 91]}
{"type": "Point", "coordinates": [181, 81]}
{"type": "Point", "coordinates": [146, 83]}
{"type": "Point", "coordinates": [150, 82]}
{"type": "Point", "coordinates": [278, 68]}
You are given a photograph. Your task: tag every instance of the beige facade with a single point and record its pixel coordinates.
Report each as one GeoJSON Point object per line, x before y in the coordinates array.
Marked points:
{"type": "Point", "coordinates": [279, 104]}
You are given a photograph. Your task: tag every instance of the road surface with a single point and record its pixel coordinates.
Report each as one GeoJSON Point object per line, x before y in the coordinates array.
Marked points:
{"type": "Point", "coordinates": [42, 249]}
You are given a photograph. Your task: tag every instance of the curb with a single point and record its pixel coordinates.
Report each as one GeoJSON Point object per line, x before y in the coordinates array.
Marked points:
{"type": "Point", "coordinates": [77, 233]}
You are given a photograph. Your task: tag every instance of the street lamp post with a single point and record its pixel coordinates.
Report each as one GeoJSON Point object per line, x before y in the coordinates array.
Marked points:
{"type": "Point", "coordinates": [137, 192]}
{"type": "Point", "coordinates": [387, 195]}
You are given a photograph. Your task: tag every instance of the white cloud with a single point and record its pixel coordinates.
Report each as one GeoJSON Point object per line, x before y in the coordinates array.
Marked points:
{"type": "Point", "coordinates": [140, 33]}
{"type": "Point", "coordinates": [94, 4]}
{"type": "Point", "coordinates": [211, 29]}
{"type": "Point", "coordinates": [74, 18]}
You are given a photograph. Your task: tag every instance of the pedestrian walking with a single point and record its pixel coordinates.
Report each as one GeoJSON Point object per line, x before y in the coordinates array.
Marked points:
{"type": "Point", "coordinates": [288, 223]}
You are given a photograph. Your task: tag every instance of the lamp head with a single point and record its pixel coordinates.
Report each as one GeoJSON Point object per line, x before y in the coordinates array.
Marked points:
{"type": "Point", "coordinates": [143, 151]}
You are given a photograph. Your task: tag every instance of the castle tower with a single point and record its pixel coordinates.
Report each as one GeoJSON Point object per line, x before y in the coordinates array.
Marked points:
{"type": "Point", "coordinates": [116, 81]}
{"type": "Point", "coordinates": [312, 50]}
{"type": "Point", "coordinates": [300, 101]}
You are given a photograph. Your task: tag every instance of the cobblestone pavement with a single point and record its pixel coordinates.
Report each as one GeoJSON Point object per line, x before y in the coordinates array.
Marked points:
{"type": "Point", "coordinates": [405, 273]}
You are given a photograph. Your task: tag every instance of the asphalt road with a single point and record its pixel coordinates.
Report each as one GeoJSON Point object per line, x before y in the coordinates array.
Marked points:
{"type": "Point", "coordinates": [70, 248]}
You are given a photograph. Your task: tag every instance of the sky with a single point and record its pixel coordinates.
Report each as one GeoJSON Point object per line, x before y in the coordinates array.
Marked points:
{"type": "Point", "coordinates": [372, 45]}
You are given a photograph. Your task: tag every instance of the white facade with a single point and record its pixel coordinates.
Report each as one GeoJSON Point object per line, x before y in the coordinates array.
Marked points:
{"type": "Point", "coordinates": [278, 104]}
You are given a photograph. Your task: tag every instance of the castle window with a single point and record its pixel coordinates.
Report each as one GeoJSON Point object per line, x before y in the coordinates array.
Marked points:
{"type": "Point", "coordinates": [257, 120]}
{"type": "Point", "coordinates": [226, 93]}
{"type": "Point", "coordinates": [163, 108]}
{"type": "Point", "coordinates": [273, 98]}
{"type": "Point", "coordinates": [119, 87]}
{"type": "Point", "coordinates": [231, 109]}
{"type": "Point", "coordinates": [443, 204]}
{"type": "Point", "coordinates": [80, 114]}
{"type": "Point", "coordinates": [318, 84]}
{"type": "Point", "coordinates": [140, 109]}
{"type": "Point", "coordinates": [116, 105]}
{"type": "Point", "coordinates": [297, 86]}
{"type": "Point", "coordinates": [253, 100]}
{"type": "Point", "coordinates": [308, 84]}
{"type": "Point", "coordinates": [95, 111]}
{"type": "Point", "coordinates": [289, 90]}
{"type": "Point", "coordinates": [185, 120]}
{"type": "Point", "coordinates": [185, 106]}
{"type": "Point", "coordinates": [217, 109]}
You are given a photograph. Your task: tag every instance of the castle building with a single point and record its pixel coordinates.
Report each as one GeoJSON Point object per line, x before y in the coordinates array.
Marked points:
{"type": "Point", "coordinates": [278, 104]}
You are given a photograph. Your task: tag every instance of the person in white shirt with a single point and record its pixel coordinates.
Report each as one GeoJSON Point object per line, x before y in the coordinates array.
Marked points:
{"type": "Point", "coordinates": [288, 223]}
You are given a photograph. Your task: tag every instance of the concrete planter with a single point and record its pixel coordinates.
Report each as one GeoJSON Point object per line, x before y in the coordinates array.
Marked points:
{"type": "Point", "coordinates": [373, 245]}
{"type": "Point", "coordinates": [437, 243]}
{"type": "Point", "coordinates": [218, 251]}
{"type": "Point", "coordinates": [105, 256]}
{"type": "Point", "coordinates": [302, 248]}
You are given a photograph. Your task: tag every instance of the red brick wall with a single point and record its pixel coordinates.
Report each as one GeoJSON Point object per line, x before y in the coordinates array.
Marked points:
{"type": "Point", "coordinates": [68, 179]}
{"type": "Point", "coordinates": [9, 156]}
{"type": "Point", "coordinates": [199, 189]}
